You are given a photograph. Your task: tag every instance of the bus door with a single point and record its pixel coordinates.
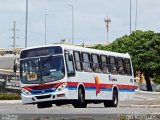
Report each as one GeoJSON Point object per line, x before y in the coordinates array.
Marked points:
{"type": "Point", "coordinates": [69, 64]}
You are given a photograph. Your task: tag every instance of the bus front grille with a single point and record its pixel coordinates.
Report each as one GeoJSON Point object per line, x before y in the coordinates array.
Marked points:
{"type": "Point", "coordinates": [43, 97]}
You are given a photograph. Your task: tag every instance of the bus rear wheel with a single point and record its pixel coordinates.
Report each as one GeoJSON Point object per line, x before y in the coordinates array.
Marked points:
{"type": "Point", "coordinates": [114, 101]}
{"type": "Point", "coordinates": [80, 103]}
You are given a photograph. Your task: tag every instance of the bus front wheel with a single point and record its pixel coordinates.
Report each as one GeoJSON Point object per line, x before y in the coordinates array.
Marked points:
{"type": "Point", "coordinates": [80, 103]}
{"type": "Point", "coordinates": [43, 105]}
{"type": "Point", "coordinates": [114, 101]}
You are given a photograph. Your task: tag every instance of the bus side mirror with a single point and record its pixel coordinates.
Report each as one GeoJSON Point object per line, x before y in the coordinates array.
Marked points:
{"type": "Point", "coordinates": [14, 68]}
{"type": "Point", "coordinates": [70, 57]}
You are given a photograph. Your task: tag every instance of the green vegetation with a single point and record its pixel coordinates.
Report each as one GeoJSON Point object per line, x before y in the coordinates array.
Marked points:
{"type": "Point", "coordinates": [156, 79]}
{"type": "Point", "coordinates": [145, 52]}
{"type": "Point", "coordinates": [37, 119]}
{"type": "Point", "coordinates": [9, 96]}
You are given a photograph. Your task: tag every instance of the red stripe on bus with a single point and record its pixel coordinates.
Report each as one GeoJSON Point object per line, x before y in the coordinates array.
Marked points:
{"type": "Point", "coordinates": [86, 84]}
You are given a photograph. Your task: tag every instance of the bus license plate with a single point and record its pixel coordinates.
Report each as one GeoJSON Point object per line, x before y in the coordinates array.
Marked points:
{"type": "Point", "coordinates": [32, 76]}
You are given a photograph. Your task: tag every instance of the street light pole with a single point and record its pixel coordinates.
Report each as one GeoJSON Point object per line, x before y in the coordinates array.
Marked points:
{"type": "Point", "coordinates": [136, 17]}
{"type": "Point", "coordinates": [72, 25]}
{"type": "Point", "coordinates": [130, 16]}
{"type": "Point", "coordinates": [26, 23]}
{"type": "Point", "coordinates": [45, 38]}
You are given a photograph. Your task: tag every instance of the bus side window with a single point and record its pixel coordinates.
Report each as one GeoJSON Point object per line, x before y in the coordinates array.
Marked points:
{"type": "Point", "coordinates": [127, 66]}
{"type": "Point", "coordinates": [105, 67]}
{"type": "Point", "coordinates": [77, 59]}
{"type": "Point", "coordinates": [96, 64]}
{"type": "Point", "coordinates": [113, 67]}
{"type": "Point", "coordinates": [86, 62]}
{"type": "Point", "coordinates": [69, 64]}
{"type": "Point", "coordinates": [120, 65]}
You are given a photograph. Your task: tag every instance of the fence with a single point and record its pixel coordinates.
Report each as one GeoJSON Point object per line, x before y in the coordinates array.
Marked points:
{"type": "Point", "coordinates": [9, 83]}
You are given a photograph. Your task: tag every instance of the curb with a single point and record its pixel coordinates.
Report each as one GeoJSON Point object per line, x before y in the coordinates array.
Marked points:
{"type": "Point", "coordinates": [10, 101]}
{"type": "Point", "coordinates": [142, 106]}
{"type": "Point", "coordinates": [146, 106]}
{"type": "Point", "coordinates": [147, 92]}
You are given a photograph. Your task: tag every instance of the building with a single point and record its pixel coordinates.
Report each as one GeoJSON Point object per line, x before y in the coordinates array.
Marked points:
{"type": "Point", "coordinates": [11, 51]}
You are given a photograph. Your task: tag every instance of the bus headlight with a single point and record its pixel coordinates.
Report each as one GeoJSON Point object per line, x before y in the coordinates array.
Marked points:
{"type": "Point", "coordinates": [61, 87]}
{"type": "Point", "coordinates": [26, 92]}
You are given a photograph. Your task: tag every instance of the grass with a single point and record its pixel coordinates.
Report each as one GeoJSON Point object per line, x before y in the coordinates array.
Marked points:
{"type": "Point", "coordinates": [9, 96]}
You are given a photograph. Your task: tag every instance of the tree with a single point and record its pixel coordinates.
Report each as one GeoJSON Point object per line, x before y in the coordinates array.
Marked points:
{"type": "Point", "coordinates": [144, 50]}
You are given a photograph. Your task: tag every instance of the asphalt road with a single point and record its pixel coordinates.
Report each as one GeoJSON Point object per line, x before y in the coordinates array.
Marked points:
{"type": "Point", "coordinates": [144, 106]}
{"type": "Point", "coordinates": [92, 112]}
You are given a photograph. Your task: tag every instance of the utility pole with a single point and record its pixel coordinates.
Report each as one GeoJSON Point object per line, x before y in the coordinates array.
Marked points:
{"type": "Point", "coordinates": [14, 34]}
{"type": "Point", "coordinates": [107, 21]}
{"type": "Point", "coordinates": [45, 37]}
{"type": "Point", "coordinates": [26, 24]}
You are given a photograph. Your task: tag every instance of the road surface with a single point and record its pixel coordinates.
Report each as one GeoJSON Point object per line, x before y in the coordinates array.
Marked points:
{"type": "Point", "coordinates": [142, 107]}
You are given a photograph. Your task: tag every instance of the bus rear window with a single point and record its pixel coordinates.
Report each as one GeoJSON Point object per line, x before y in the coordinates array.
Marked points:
{"type": "Point", "coordinates": [41, 52]}
{"type": "Point", "coordinates": [127, 65]}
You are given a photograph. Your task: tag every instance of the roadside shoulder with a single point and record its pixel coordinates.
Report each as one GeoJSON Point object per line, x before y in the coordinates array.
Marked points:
{"type": "Point", "coordinates": [10, 101]}
{"type": "Point", "coordinates": [147, 92]}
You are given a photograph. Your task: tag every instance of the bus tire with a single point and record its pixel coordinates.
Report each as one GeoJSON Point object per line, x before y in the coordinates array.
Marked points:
{"type": "Point", "coordinates": [80, 103]}
{"type": "Point", "coordinates": [113, 102]}
{"type": "Point", "coordinates": [43, 105]}
{"type": "Point", "coordinates": [58, 104]}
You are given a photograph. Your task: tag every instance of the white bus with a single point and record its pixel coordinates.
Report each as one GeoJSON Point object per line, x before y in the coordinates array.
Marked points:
{"type": "Point", "coordinates": [63, 74]}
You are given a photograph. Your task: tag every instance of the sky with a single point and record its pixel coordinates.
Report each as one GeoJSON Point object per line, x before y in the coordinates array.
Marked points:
{"type": "Point", "coordinates": [89, 26]}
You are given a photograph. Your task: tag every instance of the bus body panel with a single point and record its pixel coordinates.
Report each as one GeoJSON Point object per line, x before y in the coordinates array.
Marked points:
{"type": "Point", "coordinates": [88, 81]}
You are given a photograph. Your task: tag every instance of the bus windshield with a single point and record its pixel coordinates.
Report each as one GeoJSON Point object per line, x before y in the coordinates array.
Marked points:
{"type": "Point", "coordinates": [42, 70]}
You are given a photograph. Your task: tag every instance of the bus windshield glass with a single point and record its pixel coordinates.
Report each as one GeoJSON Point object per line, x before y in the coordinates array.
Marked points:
{"type": "Point", "coordinates": [42, 70]}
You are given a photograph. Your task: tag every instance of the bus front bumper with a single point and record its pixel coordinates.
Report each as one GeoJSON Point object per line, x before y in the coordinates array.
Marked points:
{"type": "Point", "coordinates": [33, 99]}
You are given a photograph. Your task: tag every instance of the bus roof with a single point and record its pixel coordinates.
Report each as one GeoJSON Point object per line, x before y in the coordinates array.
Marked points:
{"type": "Point", "coordinates": [82, 49]}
